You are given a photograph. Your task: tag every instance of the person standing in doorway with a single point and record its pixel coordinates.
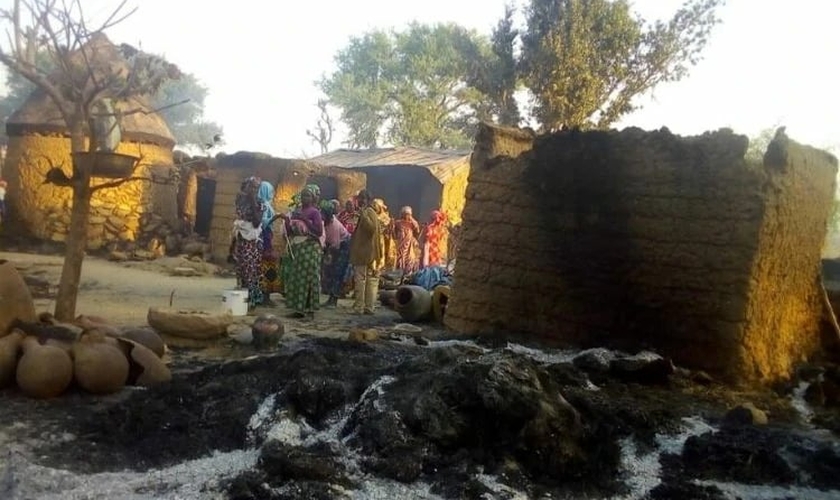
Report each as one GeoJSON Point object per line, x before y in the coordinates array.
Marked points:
{"type": "Point", "coordinates": [435, 240]}
{"type": "Point", "coordinates": [366, 256]}
{"type": "Point", "coordinates": [270, 266]}
{"type": "Point", "coordinates": [406, 230]}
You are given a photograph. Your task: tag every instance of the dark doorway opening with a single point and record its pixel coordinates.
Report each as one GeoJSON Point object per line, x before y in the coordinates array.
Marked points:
{"type": "Point", "coordinates": [328, 186]}
{"type": "Point", "coordinates": [205, 196]}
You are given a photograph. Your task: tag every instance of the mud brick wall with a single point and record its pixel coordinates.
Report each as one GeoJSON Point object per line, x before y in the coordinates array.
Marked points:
{"type": "Point", "coordinates": [116, 213]}
{"type": "Point", "coordinates": [640, 239]}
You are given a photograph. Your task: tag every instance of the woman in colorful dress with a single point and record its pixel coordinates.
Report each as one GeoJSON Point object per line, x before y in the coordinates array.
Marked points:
{"type": "Point", "coordinates": [387, 236]}
{"type": "Point", "coordinates": [247, 242]}
{"type": "Point", "coordinates": [306, 228]}
{"type": "Point", "coordinates": [435, 239]}
{"type": "Point", "coordinates": [337, 257]}
{"type": "Point", "coordinates": [349, 217]}
{"type": "Point", "coordinates": [270, 281]}
{"type": "Point", "coordinates": [406, 230]}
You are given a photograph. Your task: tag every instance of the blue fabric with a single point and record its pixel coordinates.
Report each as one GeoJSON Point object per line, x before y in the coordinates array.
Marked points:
{"type": "Point", "coordinates": [266, 195]}
{"type": "Point", "coordinates": [430, 277]}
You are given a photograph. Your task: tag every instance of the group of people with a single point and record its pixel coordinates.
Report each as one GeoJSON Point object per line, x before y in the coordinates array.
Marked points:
{"type": "Point", "coordinates": [326, 247]}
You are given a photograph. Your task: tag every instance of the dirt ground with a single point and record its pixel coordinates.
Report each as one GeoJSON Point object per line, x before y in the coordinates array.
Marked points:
{"type": "Point", "coordinates": [124, 291]}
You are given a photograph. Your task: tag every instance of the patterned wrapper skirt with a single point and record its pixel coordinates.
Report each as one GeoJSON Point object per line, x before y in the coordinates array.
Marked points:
{"type": "Point", "coordinates": [271, 280]}
{"type": "Point", "coordinates": [303, 280]}
{"type": "Point", "coordinates": [336, 272]}
{"type": "Point", "coordinates": [248, 255]}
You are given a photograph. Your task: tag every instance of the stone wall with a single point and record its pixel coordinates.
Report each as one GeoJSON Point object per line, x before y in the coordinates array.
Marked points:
{"type": "Point", "coordinates": [44, 209]}
{"type": "Point", "coordinates": [635, 239]}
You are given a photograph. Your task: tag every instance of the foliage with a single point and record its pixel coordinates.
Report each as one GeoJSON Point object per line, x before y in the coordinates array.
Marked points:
{"type": "Point", "coordinates": [186, 121]}
{"type": "Point", "coordinates": [586, 60]}
{"type": "Point", "coordinates": [410, 87]}
{"type": "Point", "coordinates": [758, 144]}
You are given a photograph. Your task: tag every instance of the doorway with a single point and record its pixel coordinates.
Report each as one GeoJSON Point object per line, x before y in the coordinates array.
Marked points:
{"type": "Point", "coordinates": [205, 197]}
{"type": "Point", "coordinates": [327, 185]}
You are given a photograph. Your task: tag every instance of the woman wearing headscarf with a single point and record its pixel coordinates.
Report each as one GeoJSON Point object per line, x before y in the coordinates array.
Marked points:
{"type": "Point", "coordinates": [366, 256]}
{"type": "Point", "coordinates": [406, 230]}
{"type": "Point", "coordinates": [337, 256]}
{"type": "Point", "coordinates": [435, 237]}
{"type": "Point", "coordinates": [306, 228]}
{"type": "Point", "coordinates": [387, 237]}
{"type": "Point", "coordinates": [350, 215]}
{"type": "Point", "coordinates": [270, 265]}
{"type": "Point", "coordinates": [247, 242]}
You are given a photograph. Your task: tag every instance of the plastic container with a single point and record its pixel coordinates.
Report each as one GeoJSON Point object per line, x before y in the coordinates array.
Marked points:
{"type": "Point", "coordinates": [235, 302]}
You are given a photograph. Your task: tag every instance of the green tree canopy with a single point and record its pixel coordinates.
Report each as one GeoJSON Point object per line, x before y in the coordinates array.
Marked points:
{"type": "Point", "coordinates": [415, 87]}
{"type": "Point", "coordinates": [583, 61]}
{"type": "Point", "coordinates": [586, 60]}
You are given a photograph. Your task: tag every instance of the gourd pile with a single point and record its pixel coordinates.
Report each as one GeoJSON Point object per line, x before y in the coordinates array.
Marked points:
{"type": "Point", "coordinates": [46, 358]}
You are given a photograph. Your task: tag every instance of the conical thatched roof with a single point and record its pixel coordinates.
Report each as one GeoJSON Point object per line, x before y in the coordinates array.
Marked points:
{"type": "Point", "coordinates": [40, 115]}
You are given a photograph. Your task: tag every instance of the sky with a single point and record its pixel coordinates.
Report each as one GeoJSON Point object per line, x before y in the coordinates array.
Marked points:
{"type": "Point", "coordinates": [770, 62]}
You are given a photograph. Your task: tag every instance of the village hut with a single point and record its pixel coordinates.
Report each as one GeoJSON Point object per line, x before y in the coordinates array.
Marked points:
{"type": "Point", "coordinates": [423, 179]}
{"type": "Point", "coordinates": [39, 140]}
{"type": "Point", "coordinates": [216, 190]}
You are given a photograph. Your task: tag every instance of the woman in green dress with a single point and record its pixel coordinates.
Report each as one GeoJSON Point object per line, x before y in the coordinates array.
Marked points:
{"type": "Point", "coordinates": [306, 229]}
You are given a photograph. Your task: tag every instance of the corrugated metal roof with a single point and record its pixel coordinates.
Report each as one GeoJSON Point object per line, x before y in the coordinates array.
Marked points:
{"type": "Point", "coordinates": [443, 164]}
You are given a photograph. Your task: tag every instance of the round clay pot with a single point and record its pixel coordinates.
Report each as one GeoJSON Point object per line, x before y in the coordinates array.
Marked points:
{"type": "Point", "coordinates": [44, 371]}
{"type": "Point", "coordinates": [100, 366]}
{"type": "Point", "coordinates": [145, 367]}
{"type": "Point", "coordinates": [96, 322]}
{"type": "Point", "coordinates": [413, 303]}
{"type": "Point", "coordinates": [9, 350]}
{"type": "Point", "coordinates": [147, 338]}
{"type": "Point", "coordinates": [15, 298]}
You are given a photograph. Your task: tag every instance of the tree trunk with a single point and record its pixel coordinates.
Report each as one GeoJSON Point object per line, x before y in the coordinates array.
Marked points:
{"type": "Point", "coordinates": [76, 242]}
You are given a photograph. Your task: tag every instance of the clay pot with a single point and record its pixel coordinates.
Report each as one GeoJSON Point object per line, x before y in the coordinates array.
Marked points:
{"type": "Point", "coordinates": [15, 298]}
{"type": "Point", "coordinates": [9, 350]}
{"type": "Point", "coordinates": [387, 297]}
{"type": "Point", "coordinates": [99, 365]}
{"type": "Point", "coordinates": [95, 322]}
{"type": "Point", "coordinates": [147, 338]}
{"type": "Point", "coordinates": [44, 371]}
{"type": "Point", "coordinates": [145, 367]}
{"type": "Point", "coordinates": [413, 303]}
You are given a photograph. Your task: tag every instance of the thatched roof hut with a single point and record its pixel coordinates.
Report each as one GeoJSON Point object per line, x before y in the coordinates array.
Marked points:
{"type": "Point", "coordinates": [40, 115]}
{"type": "Point", "coordinates": [39, 138]}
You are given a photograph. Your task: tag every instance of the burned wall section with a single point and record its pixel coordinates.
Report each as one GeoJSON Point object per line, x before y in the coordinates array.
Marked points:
{"type": "Point", "coordinates": [638, 239]}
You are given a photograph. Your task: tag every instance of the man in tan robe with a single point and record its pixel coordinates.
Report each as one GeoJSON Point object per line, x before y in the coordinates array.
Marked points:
{"type": "Point", "coordinates": [366, 256]}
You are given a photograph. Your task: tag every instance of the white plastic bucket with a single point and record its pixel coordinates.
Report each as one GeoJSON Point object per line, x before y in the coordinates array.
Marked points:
{"type": "Point", "coordinates": [235, 302]}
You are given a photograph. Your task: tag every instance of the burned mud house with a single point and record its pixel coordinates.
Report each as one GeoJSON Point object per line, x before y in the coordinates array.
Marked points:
{"type": "Point", "coordinates": [423, 179]}
{"type": "Point", "coordinates": [643, 239]}
{"type": "Point", "coordinates": [39, 140]}
{"type": "Point", "coordinates": [216, 188]}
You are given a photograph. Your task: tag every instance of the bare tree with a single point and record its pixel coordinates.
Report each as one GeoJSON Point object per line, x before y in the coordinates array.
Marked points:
{"type": "Point", "coordinates": [83, 89]}
{"type": "Point", "coordinates": [323, 133]}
